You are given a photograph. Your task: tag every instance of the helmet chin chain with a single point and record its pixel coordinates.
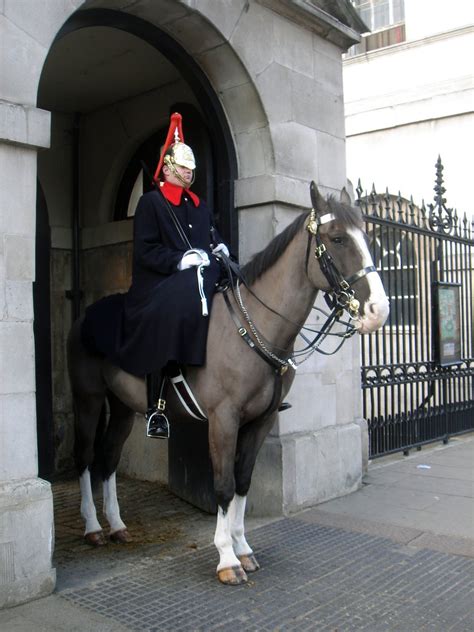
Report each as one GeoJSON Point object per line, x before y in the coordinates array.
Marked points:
{"type": "Point", "coordinates": [172, 167]}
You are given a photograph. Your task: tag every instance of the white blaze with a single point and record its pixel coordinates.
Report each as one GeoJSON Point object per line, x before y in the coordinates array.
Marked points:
{"type": "Point", "coordinates": [376, 308]}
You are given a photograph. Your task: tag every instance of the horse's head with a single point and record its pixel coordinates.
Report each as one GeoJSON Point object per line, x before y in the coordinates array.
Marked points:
{"type": "Point", "coordinates": [342, 264]}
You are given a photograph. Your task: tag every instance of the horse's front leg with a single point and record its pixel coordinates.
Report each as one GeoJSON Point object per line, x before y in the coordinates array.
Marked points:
{"type": "Point", "coordinates": [223, 430]}
{"type": "Point", "coordinates": [250, 440]}
{"type": "Point", "coordinates": [241, 547]}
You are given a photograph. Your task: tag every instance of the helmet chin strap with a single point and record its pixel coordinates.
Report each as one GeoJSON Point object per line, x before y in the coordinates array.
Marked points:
{"type": "Point", "coordinates": [177, 175]}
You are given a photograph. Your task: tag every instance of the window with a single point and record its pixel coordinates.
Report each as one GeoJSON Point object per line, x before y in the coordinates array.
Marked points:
{"type": "Point", "coordinates": [378, 14]}
{"type": "Point", "coordinates": [386, 21]}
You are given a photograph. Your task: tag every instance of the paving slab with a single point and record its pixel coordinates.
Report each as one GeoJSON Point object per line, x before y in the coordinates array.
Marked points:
{"type": "Point", "coordinates": [357, 563]}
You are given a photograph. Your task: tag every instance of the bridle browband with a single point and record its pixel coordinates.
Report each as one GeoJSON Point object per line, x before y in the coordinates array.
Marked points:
{"type": "Point", "coordinates": [341, 296]}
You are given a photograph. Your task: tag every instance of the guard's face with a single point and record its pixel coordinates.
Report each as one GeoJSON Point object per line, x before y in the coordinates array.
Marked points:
{"type": "Point", "coordinates": [185, 173]}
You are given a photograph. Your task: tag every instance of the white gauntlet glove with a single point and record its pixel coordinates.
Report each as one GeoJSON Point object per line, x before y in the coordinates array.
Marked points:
{"type": "Point", "coordinates": [221, 248]}
{"type": "Point", "coordinates": [194, 258]}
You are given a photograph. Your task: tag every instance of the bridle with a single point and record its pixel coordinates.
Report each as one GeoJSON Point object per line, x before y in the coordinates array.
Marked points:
{"type": "Point", "coordinates": [340, 298]}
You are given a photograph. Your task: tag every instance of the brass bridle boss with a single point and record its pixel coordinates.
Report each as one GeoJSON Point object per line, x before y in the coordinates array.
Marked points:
{"type": "Point", "coordinates": [342, 294]}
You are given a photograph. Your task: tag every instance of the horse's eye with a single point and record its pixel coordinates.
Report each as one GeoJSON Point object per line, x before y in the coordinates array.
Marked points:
{"type": "Point", "coordinates": [339, 241]}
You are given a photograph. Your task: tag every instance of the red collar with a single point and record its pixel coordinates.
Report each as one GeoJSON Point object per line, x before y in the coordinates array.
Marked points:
{"type": "Point", "coordinates": [174, 193]}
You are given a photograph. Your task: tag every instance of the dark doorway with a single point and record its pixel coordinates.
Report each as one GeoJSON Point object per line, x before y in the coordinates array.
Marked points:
{"type": "Point", "coordinates": [42, 333]}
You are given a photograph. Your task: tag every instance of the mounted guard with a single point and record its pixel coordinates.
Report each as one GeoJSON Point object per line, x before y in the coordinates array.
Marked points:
{"type": "Point", "coordinates": [164, 316]}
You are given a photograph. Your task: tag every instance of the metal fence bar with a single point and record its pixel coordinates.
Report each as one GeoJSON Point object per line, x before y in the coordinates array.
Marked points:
{"type": "Point", "coordinates": [408, 398]}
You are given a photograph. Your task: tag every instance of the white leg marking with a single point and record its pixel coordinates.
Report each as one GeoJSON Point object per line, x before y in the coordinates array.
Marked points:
{"type": "Point", "coordinates": [376, 308]}
{"type": "Point", "coordinates": [236, 514]}
{"type": "Point", "coordinates": [223, 540]}
{"type": "Point", "coordinates": [88, 511]}
{"type": "Point", "coordinates": [111, 506]}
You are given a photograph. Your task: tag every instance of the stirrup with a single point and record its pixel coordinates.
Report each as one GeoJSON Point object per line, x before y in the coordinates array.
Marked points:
{"type": "Point", "coordinates": [158, 426]}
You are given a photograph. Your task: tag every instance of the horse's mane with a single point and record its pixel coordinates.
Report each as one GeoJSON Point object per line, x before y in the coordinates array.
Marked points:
{"type": "Point", "coordinates": [263, 260]}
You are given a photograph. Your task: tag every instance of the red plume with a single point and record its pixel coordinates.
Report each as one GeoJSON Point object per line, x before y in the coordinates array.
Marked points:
{"type": "Point", "coordinates": [176, 122]}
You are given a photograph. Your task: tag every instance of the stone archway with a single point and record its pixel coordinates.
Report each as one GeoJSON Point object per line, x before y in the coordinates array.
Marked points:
{"type": "Point", "coordinates": [81, 109]}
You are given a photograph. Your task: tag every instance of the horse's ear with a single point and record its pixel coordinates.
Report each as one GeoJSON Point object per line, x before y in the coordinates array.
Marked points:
{"type": "Point", "coordinates": [317, 200]}
{"type": "Point", "coordinates": [345, 197]}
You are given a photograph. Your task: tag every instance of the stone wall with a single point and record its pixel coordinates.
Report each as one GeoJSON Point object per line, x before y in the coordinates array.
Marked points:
{"type": "Point", "coordinates": [275, 69]}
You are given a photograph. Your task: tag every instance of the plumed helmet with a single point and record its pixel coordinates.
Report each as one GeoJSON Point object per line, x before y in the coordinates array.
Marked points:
{"type": "Point", "coordinates": [174, 151]}
{"type": "Point", "coordinates": [180, 154]}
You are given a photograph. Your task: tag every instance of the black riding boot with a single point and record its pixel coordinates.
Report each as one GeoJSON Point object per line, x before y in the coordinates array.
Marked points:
{"type": "Point", "coordinates": [158, 426]}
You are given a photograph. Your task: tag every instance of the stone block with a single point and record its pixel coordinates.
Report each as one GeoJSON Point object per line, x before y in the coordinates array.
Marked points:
{"type": "Point", "coordinates": [252, 38]}
{"type": "Point", "coordinates": [225, 17]}
{"type": "Point", "coordinates": [293, 46]}
{"type": "Point", "coordinates": [160, 12]}
{"type": "Point", "coordinates": [316, 108]}
{"type": "Point", "coordinates": [41, 21]}
{"type": "Point", "coordinates": [195, 34]}
{"type": "Point", "coordinates": [265, 496]}
{"type": "Point", "coordinates": [303, 469]}
{"type": "Point", "coordinates": [332, 165]}
{"type": "Point", "coordinates": [296, 150]}
{"type": "Point", "coordinates": [23, 125]}
{"type": "Point", "coordinates": [19, 300]}
{"type": "Point", "coordinates": [142, 458]}
{"type": "Point", "coordinates": [322, 46]}
{"type": "Point", "coordinates": [328, 73]}
{"type": "Point", "coordinates": [273, 84]}
{"type": "Point", "coordinates": [21, 58]}
{"type": "Point", "coordinates": [64, 439]}
{"type": "Point", "coordinates": [19, 258]}
{"type": "Point", "coordinates": [327, 464]}
{"type": "Point", "coordinates": [255, 230]}
{"type": "Point", "coordinates": [108, 234]}
{"type": "Point", "coordinates": [223, 67]}
{"type": "Point", "coordinates": [26, 573]}
{"type": "Point", "coordinates": [18, 449]}
{"type": "Point", "coordinates": [17, 365]}
{"type": "Point", "coordinates": [18, 202]}
{"type": "Point", "coordinates": [244, 108]}
{"type": "Point", "coordinates": [314, 406]}
{"type": "Point", "coordinates": [254, 153]}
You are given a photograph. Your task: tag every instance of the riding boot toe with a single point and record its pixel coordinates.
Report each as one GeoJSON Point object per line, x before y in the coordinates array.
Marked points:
{"type": "Point", "coordinates": [158, 426]}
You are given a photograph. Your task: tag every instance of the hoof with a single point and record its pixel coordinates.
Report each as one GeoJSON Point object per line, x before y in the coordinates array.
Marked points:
{"type": "Point", "coordinates": [122, 536]}
{"type": "Point", "coordinates": [95, 539]}
{"type": "Point", "coordinates": [249, 563]}
{"type": "Point", "coordinates": [232, 576]}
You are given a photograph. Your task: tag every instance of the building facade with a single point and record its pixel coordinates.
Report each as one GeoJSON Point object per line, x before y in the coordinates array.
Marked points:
{"type": "Point", "coordinates": [87, 88]}
{"type": "Point", "coordinates": [409, 95]}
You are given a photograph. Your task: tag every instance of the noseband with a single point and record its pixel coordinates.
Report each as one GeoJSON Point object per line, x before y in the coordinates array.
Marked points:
{"type": "Point", "coordinates": [342, 296]}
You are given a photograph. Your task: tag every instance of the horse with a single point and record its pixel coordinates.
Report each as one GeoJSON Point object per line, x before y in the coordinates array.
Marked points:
{"type": "Point", "coordinates": [238, 389]}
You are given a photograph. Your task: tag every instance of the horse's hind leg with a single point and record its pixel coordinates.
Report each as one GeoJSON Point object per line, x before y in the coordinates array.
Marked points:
{"type": "Point", "coordinates": [88, 413]}
{"type": "Point", "coordinates": [118, 429]}
{"type": "Point", "coordinates": [249, 442]}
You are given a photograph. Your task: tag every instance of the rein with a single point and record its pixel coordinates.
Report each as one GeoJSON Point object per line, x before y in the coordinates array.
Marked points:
{"type": "Point", "coordinates": [340, 298]}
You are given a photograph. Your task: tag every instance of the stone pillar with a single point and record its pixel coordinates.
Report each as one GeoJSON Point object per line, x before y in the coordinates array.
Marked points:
{"type": "Point", "coordinates": [315, 452]}
{"type": "Point", "coordinates": [26, 508]}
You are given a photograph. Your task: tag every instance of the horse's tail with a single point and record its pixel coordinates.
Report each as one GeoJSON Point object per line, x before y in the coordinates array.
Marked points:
{"type": "Point", "coordinates": [98, 464]}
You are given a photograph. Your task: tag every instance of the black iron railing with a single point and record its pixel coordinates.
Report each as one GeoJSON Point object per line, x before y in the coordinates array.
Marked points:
{"type": "Point", "coordinates": [418, 370]}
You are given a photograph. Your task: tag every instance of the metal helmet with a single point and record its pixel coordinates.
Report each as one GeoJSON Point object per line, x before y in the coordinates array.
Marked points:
{"type": "Point", "coordinates": [175, 152]}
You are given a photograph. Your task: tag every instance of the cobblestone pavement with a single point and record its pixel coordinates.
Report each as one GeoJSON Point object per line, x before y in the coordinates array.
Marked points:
{"type": "Point", "coordinates": [313, 576]}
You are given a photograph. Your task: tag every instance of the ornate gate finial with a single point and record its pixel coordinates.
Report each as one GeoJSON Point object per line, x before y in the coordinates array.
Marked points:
{"type": "Point", "coordinates": [440, 217]}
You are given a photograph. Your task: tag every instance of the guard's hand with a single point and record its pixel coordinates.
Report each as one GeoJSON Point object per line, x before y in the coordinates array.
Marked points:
{"type": "Point", "coordinates": [221, 248]}
{"type": "Point", "coordinates": [193, 258]}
